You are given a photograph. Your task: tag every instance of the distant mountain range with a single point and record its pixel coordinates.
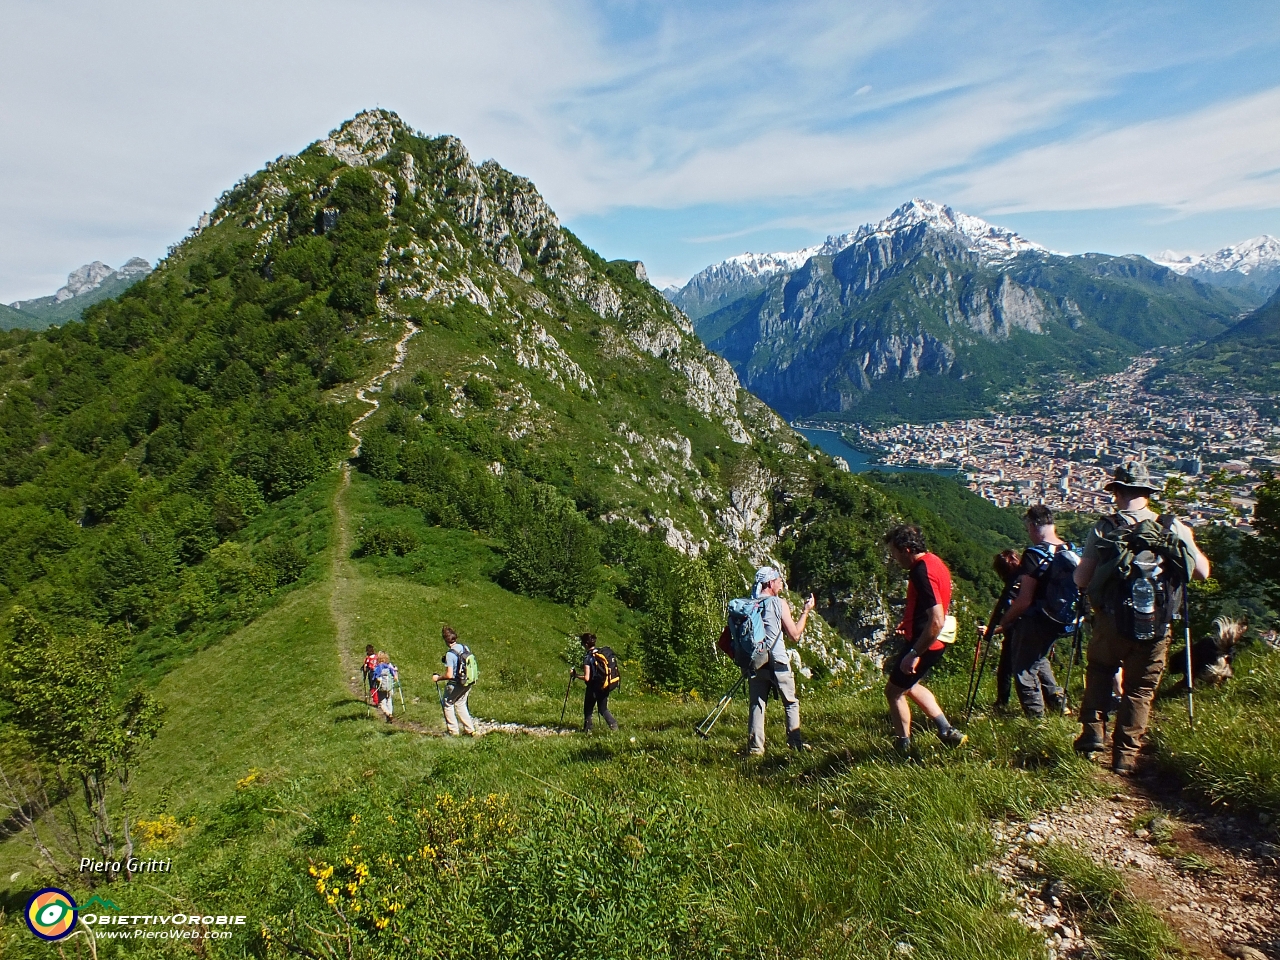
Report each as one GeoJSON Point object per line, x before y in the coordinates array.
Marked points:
{"type": "Point", "coordinates": [722, 283]}
{"type": "Point", "coordinates": [1246, 356]}
{"type": "Point", "coordinates": [932, 312]}
{"type": "Point", "coordinates": [1250, 265]}
{"type": "Point", "coordinates": [86, 285]}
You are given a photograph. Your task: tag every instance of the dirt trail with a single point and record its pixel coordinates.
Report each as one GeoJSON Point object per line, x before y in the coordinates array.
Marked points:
{"type": "Point", "coordinates": [344, 575]}
{"type": "Point", "coordinates": [1211, 876]}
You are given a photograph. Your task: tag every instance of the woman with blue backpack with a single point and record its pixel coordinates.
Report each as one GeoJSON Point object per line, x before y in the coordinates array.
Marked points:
{"type": "Point", "coordinates": [773, 674]}
{"type": "Point", "coordinates": [382, 684]}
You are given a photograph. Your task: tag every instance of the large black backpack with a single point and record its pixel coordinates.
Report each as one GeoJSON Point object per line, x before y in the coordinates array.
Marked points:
{"type": "Point", "coordinates": [1057, 595]}
{"type": "Point", "coordinates": [604, 670]}
{"type": "Point", "coordinates": [1142, 573]}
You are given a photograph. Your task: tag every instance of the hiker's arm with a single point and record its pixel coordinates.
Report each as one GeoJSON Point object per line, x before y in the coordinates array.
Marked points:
{"type": "Point", "coordinates": [911, 659]}
{"type": "Point", "coordinates": [1084, 572]}
{"type": "Point", "coordinates": [790, 627]}
{"type": "Point", "coordinates": [1201, 571]}
{"type": "Point", "coordinates": [937, 618]}
{"type": "Point", "coordinates": [447, 675]}
{"type": "Point", "coordinates": [1021, 602]}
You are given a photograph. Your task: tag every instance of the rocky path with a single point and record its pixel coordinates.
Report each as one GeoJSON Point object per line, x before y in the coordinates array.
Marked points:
{"type": "Point", "coordinates": [1211, 876]}
{"type": "Point", "coordinates": [344, 575]}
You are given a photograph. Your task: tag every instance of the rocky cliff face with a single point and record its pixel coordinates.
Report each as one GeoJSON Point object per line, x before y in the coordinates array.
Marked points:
{"type": "Point", "coordinates": [571, 347]}
{"type": "Point", "coordinates": [931, 307]}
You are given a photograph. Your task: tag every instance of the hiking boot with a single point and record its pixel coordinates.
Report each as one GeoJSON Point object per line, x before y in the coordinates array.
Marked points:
{"type": "Point", "coordinates": [797, 743]}
{"type": "Point", "coordinates": [1056, 705]}
{"type": "Point", "coordinates": [1087, 746]}
{"type": "Point", "coordinates": [1123, 766]}
{"type": "Point", "coordinates": [953, 737]}
{"type": "Point", "coordinates": [902, 747]}
{"type": "Point", "coordinates": [749, 752]}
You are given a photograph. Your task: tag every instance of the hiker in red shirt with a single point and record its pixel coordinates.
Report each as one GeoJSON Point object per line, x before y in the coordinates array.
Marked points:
{"type": "Point", "coordinates": [926, 629]}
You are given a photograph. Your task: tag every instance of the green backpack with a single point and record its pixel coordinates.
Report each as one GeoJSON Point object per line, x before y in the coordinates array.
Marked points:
{"type": "Point", "coordinates": [1142, 571]}
{"type": "Point", "coordinates": [468, 669]}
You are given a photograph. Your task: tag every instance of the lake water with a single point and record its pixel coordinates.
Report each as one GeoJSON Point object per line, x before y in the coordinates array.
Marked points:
{"type": "Point", "coordinates": [832, 444]}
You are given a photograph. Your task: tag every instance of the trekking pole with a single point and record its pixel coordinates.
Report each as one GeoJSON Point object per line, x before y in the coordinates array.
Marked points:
{"type": "Point", "coordinates": [996, 614]}
{"type": "Point", "coordinates": [1071, 661]}
{"type": "Point", "coordinates": [1186, 625]}
{"type": "Point", "coordinates": [704, 728]}
{"type": "Point", "coordinates": [973, 672]}
{"type": "Point", "coordinates": [564, 706]}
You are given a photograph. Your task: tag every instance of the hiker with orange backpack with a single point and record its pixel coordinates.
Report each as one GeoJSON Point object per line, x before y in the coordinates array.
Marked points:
{"type": "Point", "coordinates": [600, 677]}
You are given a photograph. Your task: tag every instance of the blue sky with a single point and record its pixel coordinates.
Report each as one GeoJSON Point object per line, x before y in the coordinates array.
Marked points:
{"type": "Point", "coordinates": [675, 133]}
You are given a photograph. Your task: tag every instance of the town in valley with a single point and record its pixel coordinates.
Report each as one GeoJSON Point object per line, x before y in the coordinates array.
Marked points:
{"type": "Point", "coordinates": [1212, 446]}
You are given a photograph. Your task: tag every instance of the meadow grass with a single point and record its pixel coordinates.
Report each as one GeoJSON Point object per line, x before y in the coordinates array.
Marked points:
{"type": "Point", "coordinates": [648, 842]}
{"type": "Point", "coordinates": [1229, 758]}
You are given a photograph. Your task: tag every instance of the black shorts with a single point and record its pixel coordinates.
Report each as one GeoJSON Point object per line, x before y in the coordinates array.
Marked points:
{"type": "Point", "coordinates": [905, 681]}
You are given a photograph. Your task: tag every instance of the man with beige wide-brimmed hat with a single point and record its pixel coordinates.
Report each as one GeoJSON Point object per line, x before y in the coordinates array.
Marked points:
{"type": "Point", "coordinates": [1133, 544]}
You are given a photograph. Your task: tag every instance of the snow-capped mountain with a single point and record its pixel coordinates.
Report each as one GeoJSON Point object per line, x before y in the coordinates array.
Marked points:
{"type": "Point", "coordinates": [729, 280]}
{"type": "Point", "coordinates": [1252, 264]}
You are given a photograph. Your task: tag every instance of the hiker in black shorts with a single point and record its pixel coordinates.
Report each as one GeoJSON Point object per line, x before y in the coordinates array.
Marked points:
{"type": "Point", "coordinates": [924, 628]}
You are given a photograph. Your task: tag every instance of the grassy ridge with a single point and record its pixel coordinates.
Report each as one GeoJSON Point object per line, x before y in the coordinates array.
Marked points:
{"type": "Point", "coordinates": [664, 845]}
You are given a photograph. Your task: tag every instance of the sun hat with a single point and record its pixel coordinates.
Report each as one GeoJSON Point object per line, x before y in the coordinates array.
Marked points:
{"type": "Point", "coordinates": [1131, 475]}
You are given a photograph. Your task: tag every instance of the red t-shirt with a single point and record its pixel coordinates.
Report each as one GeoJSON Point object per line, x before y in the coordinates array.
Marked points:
{"type": "Point", "coordinates": [928, 585]}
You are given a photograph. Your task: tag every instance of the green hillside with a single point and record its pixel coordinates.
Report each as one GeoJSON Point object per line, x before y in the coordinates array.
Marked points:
{"type": "Point", "coordinates": [49, 312]}
{"type": "Point", "coordinates": [1245, 357]}
{"type": "Point", "coordinates": [194, 557]}
{"type": "Point", "coordinates": [11, 319]}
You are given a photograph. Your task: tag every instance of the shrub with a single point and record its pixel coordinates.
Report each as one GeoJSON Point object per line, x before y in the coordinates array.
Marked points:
{"type": "Point", "coordinates": [480, 392]}
{"type": "Point", "coordinates": [552, 549]}
{"type": "Point", "coordinates": [286, 560]}
{"type": "Point", "coordinates": [385, 540]}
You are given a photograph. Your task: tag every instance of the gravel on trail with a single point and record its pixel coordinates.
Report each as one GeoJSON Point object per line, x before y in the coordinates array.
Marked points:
{"type": "Point", "coordinates": [1211, 876]}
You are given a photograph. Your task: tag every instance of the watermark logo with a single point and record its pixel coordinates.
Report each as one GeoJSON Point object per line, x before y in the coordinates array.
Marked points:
{"type": "Point", "coordinates": [51, 914]}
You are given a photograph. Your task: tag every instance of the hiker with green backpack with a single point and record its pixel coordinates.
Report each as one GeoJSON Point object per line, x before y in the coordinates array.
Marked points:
{"type": "Point", "coordinates": [1135, 567]}
{"type": "Point", "coordinates": [460, 674]}
{"type": "Point", "coordinates": [600, 677]}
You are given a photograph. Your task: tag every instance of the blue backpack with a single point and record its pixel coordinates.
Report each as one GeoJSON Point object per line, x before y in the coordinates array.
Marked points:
{"type": "Point", "coordinates": [1057, 595]}
{"type": "Point", "coordinates": [746, 631]}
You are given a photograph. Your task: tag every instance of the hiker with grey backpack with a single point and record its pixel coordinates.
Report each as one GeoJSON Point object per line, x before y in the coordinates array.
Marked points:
{"type": "Point", "coordinates": [757, 627]}
{"type": "Point", "coordinates": [460, 674]}
{"type": "Point", "coordinates": [1135, 567]}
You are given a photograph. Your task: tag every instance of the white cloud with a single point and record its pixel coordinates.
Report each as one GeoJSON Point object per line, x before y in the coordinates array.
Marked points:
{"type": "Point", "coordinates": [1223, 157]}
{"type": "Point", "coordinates": [123, 122]}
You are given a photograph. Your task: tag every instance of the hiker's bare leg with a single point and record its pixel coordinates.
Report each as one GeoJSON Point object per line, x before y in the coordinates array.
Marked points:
{"type": "Point", "coordinates": [899, 709]}
{"type": "Point", "coordinates": [925, 701]}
